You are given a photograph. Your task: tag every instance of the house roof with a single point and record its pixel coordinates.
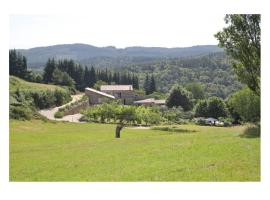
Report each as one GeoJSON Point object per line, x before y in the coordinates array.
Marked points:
{"type": "Point", "coordinates": [100, 93]}
{"type": "Point", "coordinates": [150, 101]}
{"type": "Point", "coordinates": [116, 87]}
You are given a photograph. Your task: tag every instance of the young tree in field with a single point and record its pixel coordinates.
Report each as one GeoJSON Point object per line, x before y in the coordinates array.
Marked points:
{"type": "Point", "coordinates": [179, 97]}
{"type": "Point", "coordinates": [125, 115]}
{"type": "Point", "coordinates": [242, 41]}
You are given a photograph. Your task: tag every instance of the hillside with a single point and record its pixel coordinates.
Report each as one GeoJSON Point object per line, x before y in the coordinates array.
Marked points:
{"type": "Point", "coordinates": [88, 54]}
{"type": "Point", "coordinates": [213, 71]}
{"type": "Point", "coordinates": [26, 98]}
{"type": "Point", "coordinates": [17, 83]}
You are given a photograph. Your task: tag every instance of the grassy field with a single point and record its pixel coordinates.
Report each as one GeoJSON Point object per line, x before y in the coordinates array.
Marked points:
{"type": "Point", "coordinates": [17, 83]}
{"type": "Point", "coordinates": [59, 151]}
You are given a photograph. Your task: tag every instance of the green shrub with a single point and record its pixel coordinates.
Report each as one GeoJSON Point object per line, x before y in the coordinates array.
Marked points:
{"type": "Point", "coordinates": [59, 114]}
{"type": "Point", "coordinates": [61, 97]}
{"type": "Point", "coordinates": [246, 104]}
{"type": "Point", "coordinates": [180, 97]}
{"type": "Point", "coordinates": [212, 107]}
{"type": "Point", "coordinates": [176, 115]}
{"type": "Point", "coordinates": [20, 113]}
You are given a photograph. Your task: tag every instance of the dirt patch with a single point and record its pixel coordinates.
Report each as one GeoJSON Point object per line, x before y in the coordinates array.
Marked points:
{"type": "Point", "coordinates": [139, 127]}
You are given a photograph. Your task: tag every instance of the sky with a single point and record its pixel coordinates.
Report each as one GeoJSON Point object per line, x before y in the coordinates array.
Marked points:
{"type": "Point", "coordinates": [119, 29]}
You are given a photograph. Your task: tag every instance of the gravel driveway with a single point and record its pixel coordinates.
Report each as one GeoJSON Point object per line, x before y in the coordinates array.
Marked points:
{"type": "Point", "coordinates": [49, 113]}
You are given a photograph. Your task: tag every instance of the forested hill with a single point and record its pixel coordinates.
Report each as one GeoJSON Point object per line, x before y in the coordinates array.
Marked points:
{"type": "Point", "coordinates": [213, 71]}
{"type": "Point", "coordinates": [110, 56]}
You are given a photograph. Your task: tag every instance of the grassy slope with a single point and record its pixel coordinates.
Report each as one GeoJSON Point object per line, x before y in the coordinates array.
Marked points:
{"type": "Point", "coordinates": [46, 151]}
{"type": "Point", "coordinates": [17, 83]}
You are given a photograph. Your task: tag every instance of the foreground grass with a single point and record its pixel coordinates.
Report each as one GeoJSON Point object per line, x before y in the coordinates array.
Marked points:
{"type": "Point", "coordinates": [46, 151]}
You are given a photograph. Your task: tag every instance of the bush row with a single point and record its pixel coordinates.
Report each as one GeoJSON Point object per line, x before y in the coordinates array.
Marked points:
{"type": "Point", "coordinates": [141, 115]}
{"type": "Point", "coordinates": [115, 113]}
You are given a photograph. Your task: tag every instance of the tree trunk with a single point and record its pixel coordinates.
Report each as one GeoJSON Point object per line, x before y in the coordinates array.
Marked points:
{"type": "Point", "coordinates": [118, 130]}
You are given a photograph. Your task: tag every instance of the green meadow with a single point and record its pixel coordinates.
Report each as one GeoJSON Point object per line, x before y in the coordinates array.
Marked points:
{"type": "Point", "coordinates": [62, 151]}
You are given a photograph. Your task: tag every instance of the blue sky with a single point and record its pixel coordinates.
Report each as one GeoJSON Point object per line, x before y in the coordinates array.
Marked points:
{"type": "Point", "coordinates": [115, 29]}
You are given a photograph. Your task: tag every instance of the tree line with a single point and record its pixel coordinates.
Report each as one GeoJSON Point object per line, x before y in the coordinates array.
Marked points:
{"type": "Point", "coordinates": [68, 73]}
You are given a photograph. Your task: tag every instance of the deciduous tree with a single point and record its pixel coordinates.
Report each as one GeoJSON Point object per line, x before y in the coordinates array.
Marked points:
{"type": "Point", "coordinates": [241, 39]}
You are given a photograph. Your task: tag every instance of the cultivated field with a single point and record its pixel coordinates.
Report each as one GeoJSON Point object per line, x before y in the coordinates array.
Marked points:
{"type": "Point", "coordinates": [62, 151]}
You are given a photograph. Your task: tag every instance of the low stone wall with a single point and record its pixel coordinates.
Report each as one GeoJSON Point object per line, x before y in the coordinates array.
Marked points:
{"type": "Point", "coordinates": [76, 109]}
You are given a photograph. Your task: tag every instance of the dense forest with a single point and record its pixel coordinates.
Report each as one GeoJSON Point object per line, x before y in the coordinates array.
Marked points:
{"type": "Point", "coordinates": [213, 71]}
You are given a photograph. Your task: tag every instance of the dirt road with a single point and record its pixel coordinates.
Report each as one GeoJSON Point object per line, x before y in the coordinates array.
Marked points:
{"type": "Point", "coordinates": [49, 113]}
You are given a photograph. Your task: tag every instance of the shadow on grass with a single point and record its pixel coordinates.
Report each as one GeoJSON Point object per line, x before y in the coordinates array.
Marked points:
{"type": "Point", "coordinates": [251, 132]}
{"type": "Point", "coordinates": [177, 130]}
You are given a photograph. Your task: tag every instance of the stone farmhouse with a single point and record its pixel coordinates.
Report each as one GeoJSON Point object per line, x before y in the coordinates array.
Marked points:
{"type": "Point", "coordinates": [124, 93]}
{"type": "Point", "coordinates": [108, 92]}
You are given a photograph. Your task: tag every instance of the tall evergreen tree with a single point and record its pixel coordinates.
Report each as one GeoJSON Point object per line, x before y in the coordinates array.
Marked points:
{"type": "Point", "coordinates": [79, 77]}
{"type": "Point", "coordinates": [135, 81]}
{"type": "Point", "coordinates": [17, 64]}
{"type": "Point", "coordinates": [12, 62]}
{"type": "Point", "coordinates": [152, 85]}
{"type": "Point", "coordinates": [48, 70]}
{"type": "Point", "coordinates": [93, 77]}
{"type": "Point", "coordinates": [146, 85]}
{"type": "Point", "coordinates": [87, 77]}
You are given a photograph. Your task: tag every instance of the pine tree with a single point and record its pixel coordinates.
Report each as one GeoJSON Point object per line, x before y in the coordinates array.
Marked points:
{"type": "Point", "coordinates": [17, 64]}
{"type": "Point", "coordinates": [48, 70]}
{"type": "Point", "coordinates": [87, 77]}
{"type": "Point", "coordinates": [146, 85]}
{"type": "Point", "coordinates": [93, 78]}
{"type": "Point", "coordinates": [12, 62]}
{"type": "Point", "coordinates": [152, 87]}
{"type": "Point", "coordinates": [79, 77]}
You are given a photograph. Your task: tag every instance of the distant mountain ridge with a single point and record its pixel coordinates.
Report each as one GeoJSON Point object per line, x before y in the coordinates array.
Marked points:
{"type": "Point", "coordinates": [81, 53]}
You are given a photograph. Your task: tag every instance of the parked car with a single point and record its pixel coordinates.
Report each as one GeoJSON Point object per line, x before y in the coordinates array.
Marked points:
{"type": "Point", "coordinates": [210, 121]}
